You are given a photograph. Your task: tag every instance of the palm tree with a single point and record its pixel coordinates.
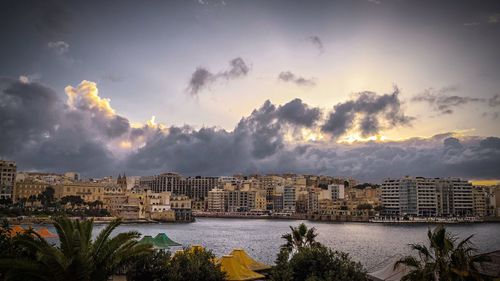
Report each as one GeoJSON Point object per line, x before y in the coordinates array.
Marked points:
{"type": "Point", "coordinates": [300, 237]}
{"type": "Point", "coordinates": [443, 260]}
{"type": "Point", "coordinates": [77, 257]}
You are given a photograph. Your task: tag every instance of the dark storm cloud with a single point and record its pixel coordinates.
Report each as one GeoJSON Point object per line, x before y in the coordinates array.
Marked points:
{"type": "Point", "coordinates": [299, 113]}
{"type": "Point", "coordinates": [41, 132]}
{"type": "Point", "coordinates": [317, 43]}
{"type": "Point", "coordinates": [202, 77]}
{"type": "Point", "coordinates": [211, 151]}
{"type": "Point", "coordinates": [375, 112]}
{"type": "Point", "coordinates": [290, 77]}
{"type": "Point", "coordinates": [445, 103]}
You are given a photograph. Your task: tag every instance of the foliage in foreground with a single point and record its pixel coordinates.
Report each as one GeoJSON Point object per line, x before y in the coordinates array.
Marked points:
{"type": "Point", "coordinates": [303, 258]}
{"type": "Point", "coordinates": [77, 257]}
{"type": "Point", "coordinates": [445, 259]}
{"type": "Point", "coordinates": [191, 264]}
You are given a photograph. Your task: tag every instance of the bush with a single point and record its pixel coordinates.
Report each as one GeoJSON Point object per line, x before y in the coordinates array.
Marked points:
{"type": "Point", "coordinates": [317, 263]}
{"type": "Point", "coordinates": [186, 265]}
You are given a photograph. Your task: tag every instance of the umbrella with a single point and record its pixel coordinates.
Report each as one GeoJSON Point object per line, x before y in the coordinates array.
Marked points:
{"type": "Point", "coordinates": [45, 233]}
{"type": "Point", "coordinates": [163, 241]}
{"type": "Point", "coordinates": [248, 261]}
{"type": "Point", "coordinates": [237, 271]}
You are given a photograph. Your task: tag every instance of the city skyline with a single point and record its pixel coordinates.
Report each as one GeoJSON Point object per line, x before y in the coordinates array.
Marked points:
{"type": "Point", "coordinates": [362, 89]}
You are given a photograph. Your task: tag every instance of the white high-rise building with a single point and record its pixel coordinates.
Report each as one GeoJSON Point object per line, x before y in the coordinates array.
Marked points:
{"type": "Point", "coordinates": [419, 196]}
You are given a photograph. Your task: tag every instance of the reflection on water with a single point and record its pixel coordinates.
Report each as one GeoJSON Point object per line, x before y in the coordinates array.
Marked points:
{"type": "Point", "coordinates": [371, 244]}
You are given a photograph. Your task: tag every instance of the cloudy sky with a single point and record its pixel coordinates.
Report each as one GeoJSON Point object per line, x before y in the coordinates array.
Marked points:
{"type": "Point", "coordinates": [361, 88]}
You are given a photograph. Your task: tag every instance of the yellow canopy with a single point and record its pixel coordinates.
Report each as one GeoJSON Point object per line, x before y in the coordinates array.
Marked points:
{"type": "Point", "coordinates": [248, 261]}
{"type": "Point", "coordinates": [236, 271]}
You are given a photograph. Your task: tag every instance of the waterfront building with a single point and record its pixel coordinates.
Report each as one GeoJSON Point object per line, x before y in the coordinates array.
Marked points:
{"type": "Point", "coordinates": [8, 171]}
{"type": "Point", "coordinates": [88, 191]}
{"type": "Point", "coordinates": [240, 200]}
{"type": "Point", "coordinates": [479, 201]}
{"type": "Point", "coordinates": [289, 199]}
{"type": "Point", "coordinates": [301, 202]}
{"type": "Point", "coordinates": [260, 200]}
{"type": "Point", "coordinates": [216, 200]}
{"type": "Point", "coordinates": [195, 188]}
{"type": "Point", "coordinates": [419, 196]}
{"type": "Point", "coordinates": [313, 200]}
{"type": "Point", "coordinates": [199, 205]}
{"type": "Point", "coordinates": [28, 190]}
{"type": "Point", "coordinates": [181, 205]}
{"type": "Point", "coordinates": [493, 201]}
{"type": "Point", "coordinates": [278, 202]}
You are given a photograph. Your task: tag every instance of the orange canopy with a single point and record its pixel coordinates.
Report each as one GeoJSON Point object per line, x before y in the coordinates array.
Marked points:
{"type": "Point", "coordinates": [45, 233]}
{"type": "Point", "coordinates": [15, 230]}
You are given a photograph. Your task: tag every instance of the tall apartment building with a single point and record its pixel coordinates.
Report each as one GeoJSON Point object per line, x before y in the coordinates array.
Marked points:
{"type": "Point", "coordinates": [196, 188]}
{"type": "Point", "coordinates": [7, 178]}
{"type": "Point", "coordinates": [240, 200]}
{"type": "Point", "coordinates": [419, 196]}
{"type": "Point", "coordinates": [216, 200]}
{"type": "Point", "coordinates": [479, 199]}
{"type": "Point", "coordinates": [289, 198]}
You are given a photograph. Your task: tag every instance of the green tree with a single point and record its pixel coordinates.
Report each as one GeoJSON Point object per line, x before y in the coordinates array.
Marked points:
{"type": "Point", "coordinates": [303, 258]}
{"type": "Point", "coordinates": [300, 237]}
{"type": "Point", "coordinates": [194, 264]}
{"type": "Point", "coordinates": [77, 257]}
{"type": "Point", "coordinates": [73, 200]}
{"type": "Point", "coordinates": [445, 259]}
{"type": "Point", "coordinates": [152, 267]}
{"type": "Point", "coordinates": [46, 198]}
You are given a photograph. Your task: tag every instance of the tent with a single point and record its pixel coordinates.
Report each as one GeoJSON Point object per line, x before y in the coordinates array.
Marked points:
{"type": "Point", "coordinates": [163, 241]}
{"type": "Point", "coordinates": [248, 261]}
{"type": "Point", "coordinates": [236, 271]}
{"type": "Point", "coordinates": [45, 233]}
{"type": "Point", "coordinates": [147, 239]}
{"type": "Point", "coordinates": [388, 273]}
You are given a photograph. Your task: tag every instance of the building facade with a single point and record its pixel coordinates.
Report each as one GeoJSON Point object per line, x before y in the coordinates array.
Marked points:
{"type": "Point", "coordinates": [419, 196]}
{"type": "Point", "coordinates": [8, 171]}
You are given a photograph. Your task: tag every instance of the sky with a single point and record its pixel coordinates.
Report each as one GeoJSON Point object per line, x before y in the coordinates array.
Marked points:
{"type": "Point", "coordinates": [364, 88]}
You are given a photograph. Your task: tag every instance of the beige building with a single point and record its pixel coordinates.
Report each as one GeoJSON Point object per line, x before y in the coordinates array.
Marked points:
{"type": "Point", "coordinates": [216, 200]}
{"type": "Point", "coordinates": [28, 189]}
{"type": "Point", "coordinates": [88, 191]}
{"type": "Point", "coordinates": [260, 200]}
{"type": "Point", "coordinates": [479, 201]}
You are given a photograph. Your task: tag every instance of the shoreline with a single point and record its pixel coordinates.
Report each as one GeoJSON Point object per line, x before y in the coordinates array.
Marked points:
{"type": "Point", "coordinates": [105, 220]}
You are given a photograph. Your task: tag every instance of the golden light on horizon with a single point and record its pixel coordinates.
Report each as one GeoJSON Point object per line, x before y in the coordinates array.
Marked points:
{"type": "Point", "coordinates": [485, 182]}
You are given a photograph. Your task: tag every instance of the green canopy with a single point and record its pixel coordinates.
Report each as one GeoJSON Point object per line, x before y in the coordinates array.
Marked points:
{"type": "Point", "coordinates": [147, 239]}
{"type": "Point", "coordinates": [163, 241]}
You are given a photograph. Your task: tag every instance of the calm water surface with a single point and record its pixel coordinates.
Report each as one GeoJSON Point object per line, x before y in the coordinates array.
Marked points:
{"type": "Point", "coordinates": [371, 244]}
